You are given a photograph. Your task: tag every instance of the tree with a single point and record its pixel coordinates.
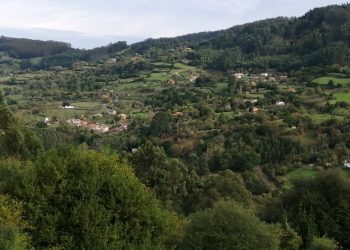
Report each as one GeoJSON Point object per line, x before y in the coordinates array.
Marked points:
{"type": "Point", "coordinates": [319, 206]}
{"type": "Point", "coordinates": [166, 178]}
{"type": "Point", "coordinates": [14, 139]}
{"type": "Point", "coordinates": [225, 185]}
{"type": "Point", "coordinates": [323, 244]}
{"type": "Point", "coordinates": [78, 199]}
{"type": "Point", "coordinates": [12, 236]}
{"type": "Point", "coordinates": [229, 226]}
{"type": "Point", "coordinates": [160, 124]}
{"type": "Point", "coordinates": [25, 64]}
{"type": "Point", "coordinates": [65, 104]}
{"type": "Point", "coordinates": [290, 240]}
{"type": "Point", "coordinates": [233, 85]}
{"type": "Point", "coordinates": [241, 159]}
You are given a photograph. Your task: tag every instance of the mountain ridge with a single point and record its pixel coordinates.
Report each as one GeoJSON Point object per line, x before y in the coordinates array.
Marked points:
{"type": "Point", "coordinates": [320, 37]}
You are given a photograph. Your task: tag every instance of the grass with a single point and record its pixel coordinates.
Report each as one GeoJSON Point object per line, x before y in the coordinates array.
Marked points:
{"type": "Point", "coordinates": [228, 114]}
{"type": "Point", "coordinates": [141, 115]}
{"type": "Point", "coordinates": [342, 97]}
{"type": "Point", "coordinates": [326, 79]}
{"type": "Point", "coordinates": [183, 66]}
{"type": "Point", "coordinates": [162, 64]}
{"type": "Point", "coordinates": [221, 86]}
{"type": "Point", "coordinates": [36, 60]}
{"type": "Point", "coordinates": [5, 78]}
{"type": "Point", "coordinates": [319, 118]}
{"type": "Point", "coordinates": [298, 174]}
{"type": "Point", "coordinates": [158, 77]}
{"type": "Point", "coordinates": [255, 95]}
{"type": "Point", "coordinates": [64, 114]}
{"type": "Point", "coordinates": [130, 86]}
{"type": "Point", "coordinates": [86, 105]}
{"type": "Point", "coordinates": [3, 86]}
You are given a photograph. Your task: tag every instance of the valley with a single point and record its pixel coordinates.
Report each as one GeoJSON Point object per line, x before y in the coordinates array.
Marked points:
{"type": "Point", "coordinates": [180, 143]}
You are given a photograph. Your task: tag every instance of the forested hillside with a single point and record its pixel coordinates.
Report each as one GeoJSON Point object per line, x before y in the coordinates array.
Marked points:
{"type": "Point", "coordinates": [27, 48]}
{"type": "Point", "coordinates": [320, 37]}
{"type": "Point", "coordinates": [235, 139]}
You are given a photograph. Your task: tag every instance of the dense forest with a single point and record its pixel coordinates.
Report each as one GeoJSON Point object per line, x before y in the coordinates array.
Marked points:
{"type": "Point", "coordinates": [234, 139]}
{"type": "Point", "coordinates": [320, 37]}
{"type": "Point", "coordinates": [27, 48]}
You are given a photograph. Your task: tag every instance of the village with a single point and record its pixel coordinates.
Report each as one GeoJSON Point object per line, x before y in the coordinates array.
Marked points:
{"type": "Point", "coordinates": [94, 122]}
{"type": "Point", "coordinates": [253, 87]}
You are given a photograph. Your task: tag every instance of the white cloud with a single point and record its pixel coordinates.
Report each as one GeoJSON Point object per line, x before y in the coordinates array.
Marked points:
{"type": "Point", "coordinates": [144, 18]}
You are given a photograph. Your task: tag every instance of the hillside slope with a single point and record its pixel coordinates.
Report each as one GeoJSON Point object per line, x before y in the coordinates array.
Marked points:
{"type": "Point", "coordinates": [320, 37]}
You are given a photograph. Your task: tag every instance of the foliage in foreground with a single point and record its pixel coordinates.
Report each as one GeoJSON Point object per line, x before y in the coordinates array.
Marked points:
{"type": "Point", "coordinates": [229, 226]}
{"type": "Point", "coordinates": [86, 200]}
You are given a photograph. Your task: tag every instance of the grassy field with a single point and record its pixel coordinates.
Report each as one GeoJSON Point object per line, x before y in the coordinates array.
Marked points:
{"type": "Point", "coordinates": [342, 97]}
{"type": "Point", "coordinates": [297, 174]}
{"type": "Point", "coordinates": [3, 86]}
{"type": "Point", "coordinates": [129, 86]}
{"type": "Point", "coordinates": [221, 86]}
{"type": "Point", "coordinates": [162, 64]}
{"type": "Point", "coordinates": [158, 77]}
{"type": "Point", "coordinates": [325, 80]}
{"type": "Point", "coordinates": [183, 66]}
{"type": "Point", "coordinates": [319, 118]}
{"type": "Point", "coordinates": [228, 114]}
{"type": "Point", "coordinates": [86, 105]}
{"type": "Point", "coordinates": [141, 115]}
{"type": "Point", "coordinates": [64, 114]}
{"type": "Point", "coordinates": [36, 60]}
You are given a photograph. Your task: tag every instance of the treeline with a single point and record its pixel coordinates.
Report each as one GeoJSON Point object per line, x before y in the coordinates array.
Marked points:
{"type": "Point", "coordinates": [318, 38]}
{"type": "Point", "coordinates": [27, 48]}
{"type": "Point", "coordinates": [68, 58]}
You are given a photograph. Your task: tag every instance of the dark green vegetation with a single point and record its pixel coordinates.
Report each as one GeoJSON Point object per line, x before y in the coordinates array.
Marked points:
{"type": "Point", "coordinates": [236, 139]}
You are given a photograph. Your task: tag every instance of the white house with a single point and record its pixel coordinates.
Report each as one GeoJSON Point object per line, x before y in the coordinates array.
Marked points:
{"type": "Point", "coordinates": [68, 107]}
{"type": "Point", "coordinates": [102, 128]}
{"type": "Point", "coordinates": [347, 164]}
{"type": "Point", "coordinates": [192, 78]}
{"type": "Point", "coordinates": [239, 75]}
{"type": "Point", "coordinates": [280, 103]}
{"type": "Point", "coordinates": [111, 112]}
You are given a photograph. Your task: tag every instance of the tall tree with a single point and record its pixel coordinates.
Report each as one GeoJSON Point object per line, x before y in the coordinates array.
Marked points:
{"type": "Point", "coordinates": [229, 226]}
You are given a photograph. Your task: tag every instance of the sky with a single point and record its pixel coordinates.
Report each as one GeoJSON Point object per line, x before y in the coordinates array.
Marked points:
{"type": "Point", "coordinates": [91, 23]}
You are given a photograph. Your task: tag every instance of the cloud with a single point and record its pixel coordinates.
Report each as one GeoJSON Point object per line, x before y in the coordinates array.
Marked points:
{"type": "Point", "coordinates": [143, 18]}
{"type": "Point", "coordinates": [76, 39]}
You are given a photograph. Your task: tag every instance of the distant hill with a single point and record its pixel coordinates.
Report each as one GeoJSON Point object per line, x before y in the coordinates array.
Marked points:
{"type": "Point", "coordinates": [320, 37]}
{"type": "Point", "coordinates": [26, 48]}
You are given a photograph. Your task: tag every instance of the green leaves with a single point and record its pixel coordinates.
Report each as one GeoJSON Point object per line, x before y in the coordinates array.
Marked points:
{"type": "Point", "coordinates": [160, 124]}
{"type": "Point", "coordinates": [86, 200]}
{"type": "Point", "coordinates": [320, 206]}
{"type": "Point", "coordinates": [12, 236]}
{"type": "Point", "coordinates": [229, 226]}
{"type": "Point", "coordinates": [167, 178]}
{"type": "Point", "coordinates": [14, 139]}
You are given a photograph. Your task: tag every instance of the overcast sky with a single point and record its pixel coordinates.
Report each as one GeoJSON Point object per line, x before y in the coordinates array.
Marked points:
{"type": "Point", "coordinates": [90, 23]}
